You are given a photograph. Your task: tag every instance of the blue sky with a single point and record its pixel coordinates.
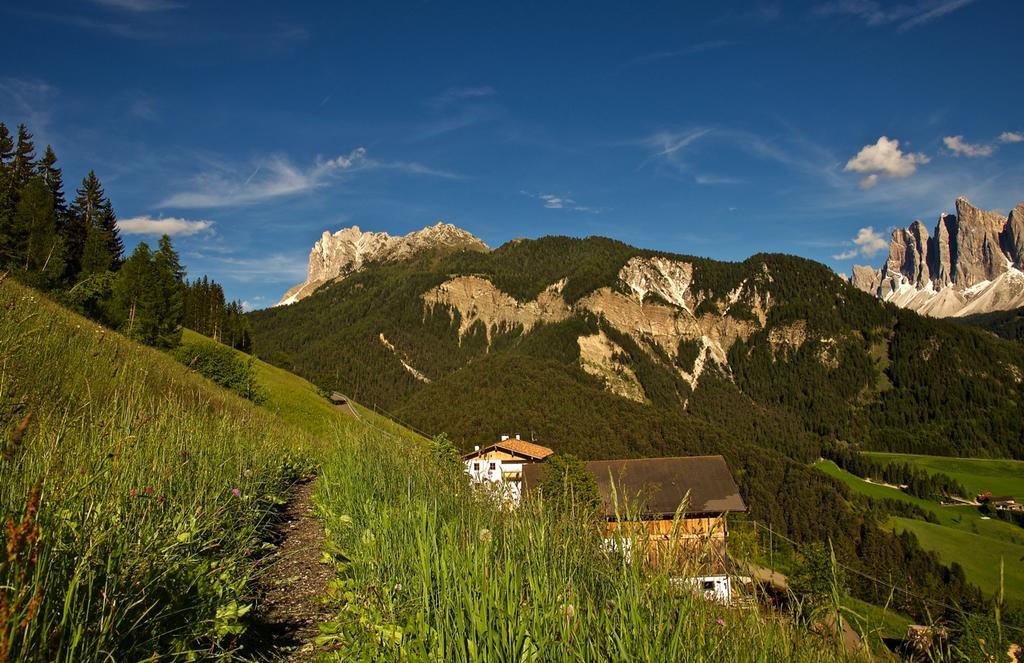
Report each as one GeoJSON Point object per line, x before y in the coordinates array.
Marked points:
{"type": "Point", "coordinates": [722, 129]}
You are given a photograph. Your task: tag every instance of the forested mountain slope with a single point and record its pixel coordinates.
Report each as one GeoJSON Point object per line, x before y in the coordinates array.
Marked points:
{"type": "Point", "coordinates": [606, 350]}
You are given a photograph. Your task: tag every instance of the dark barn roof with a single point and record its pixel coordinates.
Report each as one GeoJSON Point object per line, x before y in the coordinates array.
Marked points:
{"type": "Point", "coordinates": [659, 485]}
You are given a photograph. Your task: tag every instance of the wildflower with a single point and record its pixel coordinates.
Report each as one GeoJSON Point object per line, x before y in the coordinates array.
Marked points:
{"type": "Point", "coordinates": [569, 610]}
{"type": "Point", "coordinates": [609, 605]}
{"type": "Point", "coordinates": [485, 535]}
{"type": "Point", "coordinates": [133, 492]}
{"type": "Point", "coordinates": [720, 621]}
{"type": "Point", "coordinates": [149, 490]}
{"type": "Point", "coordinates": [236, 492]}
{"type": "Point", "coordinates": [81, 471]}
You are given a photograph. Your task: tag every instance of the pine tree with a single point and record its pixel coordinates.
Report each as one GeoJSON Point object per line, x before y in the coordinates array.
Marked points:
{"type": "Point", "coordinates": [36, 220]}
{"type": "Point", "coordinates": [115, 246]}
{"type": "Point", "coordinates": [6, 194]}
{"type": "Point", "coordinates": [24, 161]}
{"type": "Point", "coordinates": [170, 291]}
{"type": "Point", "coordinates": [133, 306]}
{"type": "Point", "coordinates": [93, 244]}
{"type": "Point", "coordinates": [54, 178]}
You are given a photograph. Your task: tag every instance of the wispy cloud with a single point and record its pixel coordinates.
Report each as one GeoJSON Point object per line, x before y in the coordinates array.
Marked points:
{"type": "Point", "coordinates": [559, 201]}
{"type": "Point", "coordinates": [454, 94]}
{"type": "Point", "coordinates": [884, 159]}
{"type": "Point", "coordinates": [281, 267]}
{"type": "Point", "coordinates": [665, 55]}
{"type": "Point", "coordinates": [277, 177]}
{"type": "Point", "coordinates": [115, 28]}
{"type": "Point", "coordinates": [28, 100]}
{"type": "Point", "coordinates": [867, 243]}
{"type": "Point", "coordinates": [458, 108]}
{"type": "Point", "coordinates": [140, 5]}
{"type": "Point", "coordinates": [173, 226]}
{"type": "Point", "coordinates": [961, 148]}
{"type": "Point", "coordinates": [681, 151]}
{"type": "Point", "coordinates": [905, 16]}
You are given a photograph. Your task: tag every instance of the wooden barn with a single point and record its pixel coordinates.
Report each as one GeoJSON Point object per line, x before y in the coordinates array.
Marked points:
{"type": "Point", "coordinates": [640, 499]}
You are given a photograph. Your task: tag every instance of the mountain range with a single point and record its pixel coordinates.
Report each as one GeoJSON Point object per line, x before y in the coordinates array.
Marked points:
{"type": "Point", "coordinates": [561, 336]}
{"type": "Point", "coordinates": [971, 264]}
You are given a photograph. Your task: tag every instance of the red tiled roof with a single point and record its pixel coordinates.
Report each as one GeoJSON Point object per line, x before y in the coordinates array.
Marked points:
{"type": "Point", "coordinates": [518, 447]}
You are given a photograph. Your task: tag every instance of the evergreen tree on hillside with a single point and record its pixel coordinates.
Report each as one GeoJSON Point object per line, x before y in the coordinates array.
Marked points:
{"type": "Point", "coordinates": [115, 246]}
{"type": "Point", "coordinates": [6, 194]}
{"type": "Point", "coordinates": [135, 298]}
{"type": "Point", "coordinates": [170, 294]}
{"type": "Point", "coordinates": [35, 220]}
{"type": "Point", "coordinates": [54, 178]}
{"type": "Point", "coordinates": [24, 162]}
{"type": "Point", "coordinates": [93, 242]}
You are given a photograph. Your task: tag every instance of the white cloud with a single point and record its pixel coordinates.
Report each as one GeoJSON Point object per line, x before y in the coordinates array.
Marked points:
{"type": "Point", "coordinates": [147, 225]}
{"type": "Point", "coordinates": [961, 148]}
{"type": "Point", "coordinates": [884, 159]}
{"type": "Point", "coordinates": [552, 201]}
{"type": "Point", "coordinates": [276, 177]}
{"type": "Point", "coordinates": [867, 243]}
{"type": "Point", "coordinates": [1011, 137]}
{"type": "Point", "coordinates": [906, 15]}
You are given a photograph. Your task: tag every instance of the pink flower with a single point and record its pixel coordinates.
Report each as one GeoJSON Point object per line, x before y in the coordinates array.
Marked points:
{"type": "Point", "coordinates": [720, 621]}
{"type": "Point", "coordinates": [149, 490]}
{"type": "Point", "coordinates": [236, 492]}
{"type": "Point", "coordinates": [81, 471]}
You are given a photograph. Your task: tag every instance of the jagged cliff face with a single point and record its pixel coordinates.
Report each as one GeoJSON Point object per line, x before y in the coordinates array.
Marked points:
{"type": "Point", "coordinates": [346, 251]}
{"type": "Point", "coordinates": [653, 303]}
{"type": "Point", "coordinates": [974, 263]}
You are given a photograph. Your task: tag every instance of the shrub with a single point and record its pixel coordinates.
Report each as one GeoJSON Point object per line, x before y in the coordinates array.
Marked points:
{"type": "Point", "coordinates": [222, 365]}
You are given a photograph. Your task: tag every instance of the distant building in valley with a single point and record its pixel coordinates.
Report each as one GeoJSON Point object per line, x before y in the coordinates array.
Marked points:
{"type": "Point", "coordinates": [499, 466]}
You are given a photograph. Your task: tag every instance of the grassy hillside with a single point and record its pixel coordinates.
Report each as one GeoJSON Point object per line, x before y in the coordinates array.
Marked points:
{"type": "Point", "coordinates": [300, 403]}
{"type": "Point", "coordinates": [979, 555]}
{"type": "Point", "coordinates": [961, 535]}
{"type": "Point", "coordinates": [142, 492]}
{"type": "Point", "coordinates": [1000, 477]}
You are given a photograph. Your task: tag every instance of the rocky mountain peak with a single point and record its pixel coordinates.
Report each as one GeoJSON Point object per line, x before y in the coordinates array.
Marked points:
{"type": "Point", "coordinates": [336, 255]}
{"type": "Point", "coordinates": [972, 264]}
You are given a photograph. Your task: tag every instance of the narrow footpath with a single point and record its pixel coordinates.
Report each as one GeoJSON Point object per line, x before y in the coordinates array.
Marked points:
{"type": "Point", "coordinates": [294, 583]}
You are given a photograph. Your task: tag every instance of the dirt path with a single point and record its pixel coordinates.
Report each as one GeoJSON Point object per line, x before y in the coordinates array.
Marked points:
{"type": "Point", "coordinates": [295, 580]}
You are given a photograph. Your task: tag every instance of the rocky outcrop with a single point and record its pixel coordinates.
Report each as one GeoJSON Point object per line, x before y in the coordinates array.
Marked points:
{"type": "Point", "coordinates": [973, 264]}
{"type": "Point", "coordinates": [337, 255]}
{"type": "Point", "coordinates": [600, 357]}
{"type": "Point", "coordinates": [658, 324]}
{"type": "Point", "coordinates": [476, 299]}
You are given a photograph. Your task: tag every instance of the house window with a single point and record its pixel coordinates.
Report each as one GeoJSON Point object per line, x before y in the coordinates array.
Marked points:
{"type": "Point", "coordinates": [709, 585]}
{"type": "Point", "coordinates": [476, 467]}
{"type": "Point", "coordinates": [494, 466]}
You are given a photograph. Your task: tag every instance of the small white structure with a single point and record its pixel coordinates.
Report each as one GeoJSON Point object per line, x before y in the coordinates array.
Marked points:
{"type": "Point", "coordinates": [713, 588]}
{"type": "Point", "coordinates": [499, 467]}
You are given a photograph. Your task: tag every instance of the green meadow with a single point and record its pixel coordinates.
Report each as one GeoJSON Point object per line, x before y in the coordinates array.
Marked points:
{"type": "Point", "coordinates": [978, 475]}
{"type": "Point", "coordinates": [962, 535]}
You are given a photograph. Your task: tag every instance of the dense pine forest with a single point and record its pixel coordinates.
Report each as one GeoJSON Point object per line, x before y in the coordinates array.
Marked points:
{"type": "Point", "coordinates": [75, 252]}
{"type": "Point", "coordinates": [868, 375]}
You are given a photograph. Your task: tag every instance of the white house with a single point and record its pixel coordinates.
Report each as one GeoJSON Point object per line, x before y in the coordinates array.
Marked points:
{"type": "Point", "coordinates": [499, 466]}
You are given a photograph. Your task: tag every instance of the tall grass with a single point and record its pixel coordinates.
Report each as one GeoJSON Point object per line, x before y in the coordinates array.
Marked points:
{"type": "Point", "coordinates": [430, 571]}
{"type": "Point", "coordinates": [136, 494]}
